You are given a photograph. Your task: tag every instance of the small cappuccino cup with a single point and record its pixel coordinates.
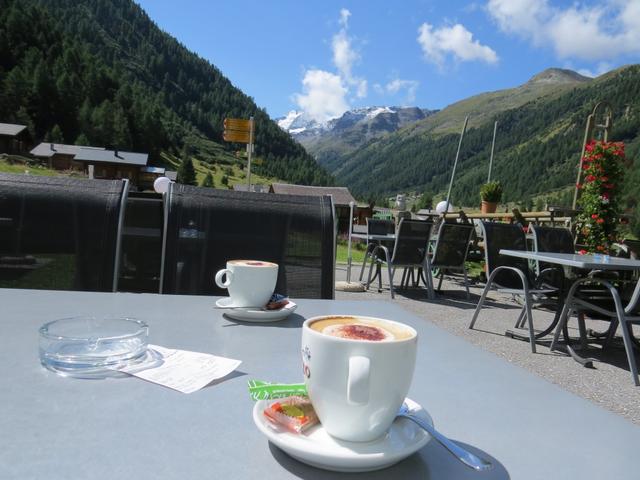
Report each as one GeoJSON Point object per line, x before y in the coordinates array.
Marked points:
{"type": "Point", "coordinates": [250, 283]}
{"type": "Point", "coordinates": [358, 371]}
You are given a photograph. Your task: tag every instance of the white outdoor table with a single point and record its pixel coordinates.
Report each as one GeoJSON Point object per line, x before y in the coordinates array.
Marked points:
{"type": "Point", "coordinates": [584, 262]}
{"type": "Point", "coordinates": [64, 428]}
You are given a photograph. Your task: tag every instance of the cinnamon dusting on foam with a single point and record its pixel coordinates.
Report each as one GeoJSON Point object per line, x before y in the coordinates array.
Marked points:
{"type": "Point", "coordinates": [357, 328]}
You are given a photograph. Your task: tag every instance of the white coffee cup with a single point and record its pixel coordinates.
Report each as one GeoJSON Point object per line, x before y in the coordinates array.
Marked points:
{"type": "Point", "coordinates": [250, 282]}
{"type": "Point", "coordinates": [357, 383]}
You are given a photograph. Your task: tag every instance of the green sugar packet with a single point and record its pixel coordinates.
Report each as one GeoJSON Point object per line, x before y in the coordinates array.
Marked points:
{"type": "Point", "coordinates": [259, 390]}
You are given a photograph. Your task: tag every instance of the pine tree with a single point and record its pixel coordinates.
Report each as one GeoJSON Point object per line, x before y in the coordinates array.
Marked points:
{"type": "Point", "coordinates": [186, 172]}
{"type": "Point", "coordinates": [208, 181]}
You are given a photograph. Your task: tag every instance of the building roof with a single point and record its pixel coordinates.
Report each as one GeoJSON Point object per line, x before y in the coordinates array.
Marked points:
{"type": "Point", "coordinates": [341, 195]}
{"type": "Point", "coordinates": [46, 149]}
{"type": "Point", "coordinates": [82, 153]}
{"type": "Point", "coordinates": [111, 156]}
{"type": "Point", "coordinates": [11, 129]}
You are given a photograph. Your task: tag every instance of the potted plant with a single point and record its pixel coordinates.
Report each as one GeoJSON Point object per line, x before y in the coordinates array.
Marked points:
{"type": "Point", "coordinates": [490, 194]}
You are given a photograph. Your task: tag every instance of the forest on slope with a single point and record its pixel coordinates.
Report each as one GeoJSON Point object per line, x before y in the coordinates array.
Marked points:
{"type": "Point", "coordinates": [100, 72]}
{"type": "Point", "coordinates": [537, 149]}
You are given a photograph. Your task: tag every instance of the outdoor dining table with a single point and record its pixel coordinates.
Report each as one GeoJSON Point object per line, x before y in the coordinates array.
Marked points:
{"type": "Point", "coordinates": [64, 428]}
{"type": "Point", "coordinates": [585, 263]}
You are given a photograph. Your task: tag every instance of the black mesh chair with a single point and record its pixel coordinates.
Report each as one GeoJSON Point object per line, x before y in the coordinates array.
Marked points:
{"type": "Point", "coordinates": [60, 233]}
{"type": "Point", "coordinates": [377, 226]}
{"type": "Point", "coordinates": [205, 227]}
{"type": "Point", "coordinates": [509, 274]}
{"type": "Point", "coordinates": [409, 250]}
{"type": "Point", "coordinates": [450, 252]}
{"type": "Point", "coordinates": [556, 240]}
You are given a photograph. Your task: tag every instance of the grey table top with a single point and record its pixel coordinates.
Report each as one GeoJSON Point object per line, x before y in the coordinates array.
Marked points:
{"type": "Point", "coordinates": [591, 262]}
{"type": "Point", "coordinates": [61, 428]}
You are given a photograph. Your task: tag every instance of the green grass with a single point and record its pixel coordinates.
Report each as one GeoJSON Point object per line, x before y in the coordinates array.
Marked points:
{"type": "Point", "coordinates": [233, 169]}
{"type": "Point", "coordinates": [357, 252]}
{"type": "Point", "coordinates": [19, 165]}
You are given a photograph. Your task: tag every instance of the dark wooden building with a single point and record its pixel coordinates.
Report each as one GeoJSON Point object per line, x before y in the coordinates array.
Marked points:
{"type": "Point", "coordinates": [14, 139]}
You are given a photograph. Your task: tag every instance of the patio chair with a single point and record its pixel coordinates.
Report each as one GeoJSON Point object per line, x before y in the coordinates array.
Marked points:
{"type": "Point", "coordinates": [376, 226]}
{"type": "Point", "coordinates": [556, 240]}
{"type": "Point", "coordinates": [409, 250]}
{"type": "Point", "coordinates": [450, 252]}
{"type": "Point", "coordinates": [509, 274]}
{"type": "Point", "coordinates": [624, 315]}
{"type": "Point", "coordinates": [61, 233]}
{"type": "Point", "coordinates": [205, 227]}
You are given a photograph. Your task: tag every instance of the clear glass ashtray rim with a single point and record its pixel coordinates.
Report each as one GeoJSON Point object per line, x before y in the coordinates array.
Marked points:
{"type": "Point", "coordinates": [44, 333]}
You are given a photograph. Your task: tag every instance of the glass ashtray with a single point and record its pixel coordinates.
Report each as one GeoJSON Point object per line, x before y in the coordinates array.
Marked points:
{"type": "Point", "coordinates": [92, 347]}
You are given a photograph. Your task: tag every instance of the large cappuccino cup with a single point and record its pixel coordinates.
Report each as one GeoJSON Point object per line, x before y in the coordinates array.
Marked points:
{"type": "Point", "coordinates": [358, 371]}
{"type": "Point", "coordinates": [250, 282]}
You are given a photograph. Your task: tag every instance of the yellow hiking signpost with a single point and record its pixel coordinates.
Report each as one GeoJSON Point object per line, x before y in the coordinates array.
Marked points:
{"type": "Point", "coordinates": [240, 130]}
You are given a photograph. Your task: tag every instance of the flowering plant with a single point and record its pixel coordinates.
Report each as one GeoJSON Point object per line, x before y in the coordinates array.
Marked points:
{"type": "Point", "coordinates": [598, 221]}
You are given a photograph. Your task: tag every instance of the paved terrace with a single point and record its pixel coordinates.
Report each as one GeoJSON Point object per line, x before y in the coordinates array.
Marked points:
{"type": "Point", "coordinates": [608, 384]}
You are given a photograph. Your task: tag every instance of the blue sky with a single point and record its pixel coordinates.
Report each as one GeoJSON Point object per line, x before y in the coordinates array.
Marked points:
{"type": "Point", "coordinates": [324, 57]}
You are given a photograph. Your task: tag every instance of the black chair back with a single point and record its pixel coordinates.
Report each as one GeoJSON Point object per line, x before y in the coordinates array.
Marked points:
{"type": "Point", "coordinates": [412, 239]}
{"type": "Point", "coordinates": [498, 236]}
{"type": "Point", "coordinates": [60, 233]}
{"type": "Point", "coordinates": [452, 245]}
{"type": "Point", "coordinates": [553, 239]}
{"type": "Point", "coordinates": [206, 227]}
{"type": "Point", "coordinates": [376, 226]}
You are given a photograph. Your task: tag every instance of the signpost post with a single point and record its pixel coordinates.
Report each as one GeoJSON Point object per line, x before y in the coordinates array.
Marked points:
{"type": "Point", "coordinates": [240, 130]}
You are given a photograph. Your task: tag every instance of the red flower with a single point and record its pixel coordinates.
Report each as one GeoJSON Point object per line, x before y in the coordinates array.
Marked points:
{"type": "Point", "coordinates": [578, 186]}
{"type": "Point", "coordinates": [582, 252]}
{"type": "Point", "coordinates": [600, 220]}
{"type": "Point", "coordinates": [605, 195]}
{"type": "Point", "coordinates": [585, 165]}
{"type": "Point", "coordinates": [594, 215]}
{"type": "Point", "coordinates": [590, 178]}
{"type": "Point", "coordinates": [604, 179]}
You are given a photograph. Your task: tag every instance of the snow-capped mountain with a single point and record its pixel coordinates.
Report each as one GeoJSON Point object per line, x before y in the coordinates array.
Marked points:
{"type": "Point", "coordinates": [375, 120]}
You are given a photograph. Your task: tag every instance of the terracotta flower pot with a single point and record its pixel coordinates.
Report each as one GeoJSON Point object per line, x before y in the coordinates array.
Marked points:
{"type": "Point", "coordinates": [488, 207]}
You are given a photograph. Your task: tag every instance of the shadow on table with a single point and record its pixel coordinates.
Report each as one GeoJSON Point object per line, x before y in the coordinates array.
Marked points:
{"type": "Point", "coordinates": [292, 321]}
{"type": "Point", "coordinates": [432, 462]}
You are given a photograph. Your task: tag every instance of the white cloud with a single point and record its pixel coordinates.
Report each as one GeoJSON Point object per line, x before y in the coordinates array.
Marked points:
{"type": "Point", "coordinates": [586, 32]}
{"type": "Point", "coordinates": [603, 67]}
{"type": "Point", "coordinates": [345, 56]}
{"type": "Point", "coordinates": [324, 95]}
{"type": "Point", "coordinates": [456, 40]}
{"type": "Point", "coordinates": [410, 86]}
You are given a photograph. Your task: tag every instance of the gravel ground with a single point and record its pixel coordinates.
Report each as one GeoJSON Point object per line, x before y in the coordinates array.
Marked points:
{"type": "Point", "coordinates": [608, 384]}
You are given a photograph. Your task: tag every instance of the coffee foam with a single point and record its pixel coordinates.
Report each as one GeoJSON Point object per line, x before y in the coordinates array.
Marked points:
{"type": "Point", "coordinates": [252, 263]}
{"type": "Point", "coordinates": [363, 329]}
{"type": "Point", "coordinates": [358, 331]}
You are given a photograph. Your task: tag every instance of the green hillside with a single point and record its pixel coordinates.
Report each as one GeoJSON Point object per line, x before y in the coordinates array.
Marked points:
{"type": "Point", "coordinates": [537, 148]}
{"type": "Point", "coordinates": [100, 72]}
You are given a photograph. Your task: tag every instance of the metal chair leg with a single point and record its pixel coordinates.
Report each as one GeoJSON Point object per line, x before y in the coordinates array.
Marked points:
{"type": "Point", "coordinates": [532, 333]}
{"type": "Point", "coordinates": [481, 301]}
{"type": "Point", "coordinates": [392, 272]}
{"type": "Point", "coordinates": [466, 282]}
{"type": "Point", "coordinates": [520, 320]}
{"type": "Point", "coordinates": [440, 282]}
{"type": "Point", "coordinates": [628, 346]}
{"type": "Point", "coordinates": [369, 276]}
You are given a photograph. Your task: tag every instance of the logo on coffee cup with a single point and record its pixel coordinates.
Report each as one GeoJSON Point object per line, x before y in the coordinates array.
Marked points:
{"type": "Point", "coordinates": [306, 357]}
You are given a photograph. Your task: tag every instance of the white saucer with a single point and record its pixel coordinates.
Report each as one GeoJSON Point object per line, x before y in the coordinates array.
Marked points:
{"type": "Point", "coordinates": [253, 314]}
{"type": "Point", "coordinates": [317, 448]}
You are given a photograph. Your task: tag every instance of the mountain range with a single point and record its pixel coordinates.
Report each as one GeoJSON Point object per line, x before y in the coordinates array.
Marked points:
{"type": "Point", "coordinates": [538, 143]}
